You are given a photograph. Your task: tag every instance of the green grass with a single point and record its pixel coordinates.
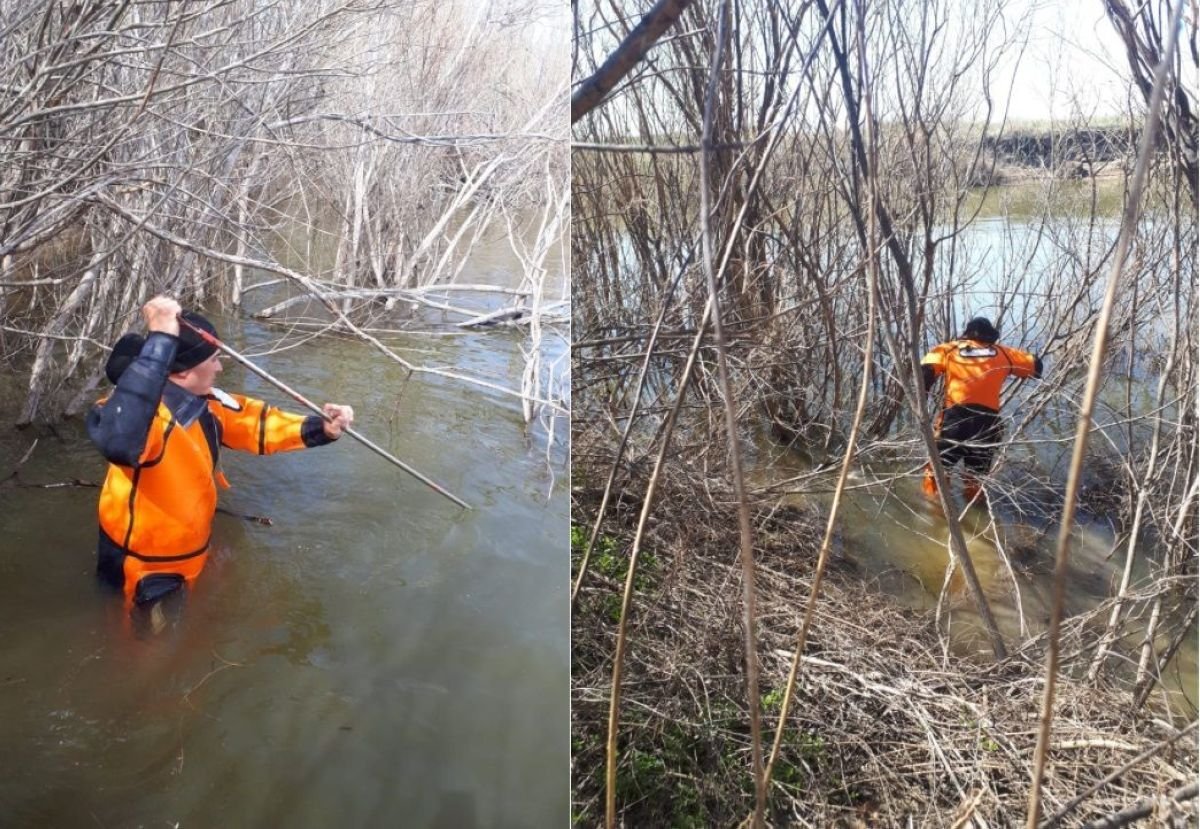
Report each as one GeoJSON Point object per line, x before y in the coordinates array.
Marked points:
{"type": "Point", "coordinates": [609, 559]}
{"type": "Point", "coordinates": [1054, 197]}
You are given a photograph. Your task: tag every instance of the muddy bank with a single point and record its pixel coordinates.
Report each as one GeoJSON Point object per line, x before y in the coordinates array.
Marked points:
{"type": "Point", "coordinates": [889, 725]}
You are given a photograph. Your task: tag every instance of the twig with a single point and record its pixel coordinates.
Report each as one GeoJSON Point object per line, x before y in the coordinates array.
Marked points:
{"type": "Point", "coordinates": [633, 48]}
{"type": "Point", "coordinates": [1095, 370]}
{"type": "Point", "coordinates": [1145, 807]}
{"type": "Point", "coordinates": [745, 533]}
{"type": "Point", "coordinates": [79, 482]}
{"type": "Point", "coordinates": [17, 469]}
{"type": "Point", "coordinates": [210, 674]}
{"type": "Point", "coordinates": [1145, 755]}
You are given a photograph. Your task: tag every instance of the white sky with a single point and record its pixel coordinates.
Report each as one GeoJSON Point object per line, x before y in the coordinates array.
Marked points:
{"type": "Point", "coordinates": [1074, 63]}
{"type": "Point", "coordinates": [1072, 68]}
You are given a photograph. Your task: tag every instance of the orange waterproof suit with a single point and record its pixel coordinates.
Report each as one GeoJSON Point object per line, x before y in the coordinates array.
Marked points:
{"type": "Point", "coordinates": [969, 428]}
{"type": "Point", "coordinates": [163, 444]}
{"type": "Point", "coordinates": [975, 371]}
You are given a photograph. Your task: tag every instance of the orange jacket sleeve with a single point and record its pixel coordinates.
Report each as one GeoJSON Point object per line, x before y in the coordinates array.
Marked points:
{"type": "Point", "coordinates": [936, 358]}
{"type": "Point", "coordinates": [1023, 363]}
{"type": "Point", "coordinates": [250, 425]}
{"type": "Point", "coordinates": [933, 365]}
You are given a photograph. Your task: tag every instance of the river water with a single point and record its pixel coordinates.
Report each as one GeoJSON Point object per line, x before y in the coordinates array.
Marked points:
{"type": "Point", "coordinates": [376, 657]}
{"type": "Point", "coordinates": [1032, 245]}
{"type": "Point", "coordinates": [899, 541]}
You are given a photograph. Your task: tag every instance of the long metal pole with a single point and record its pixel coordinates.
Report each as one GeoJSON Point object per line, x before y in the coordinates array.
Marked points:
{"type": "Point", "coordinates": [299, 398]}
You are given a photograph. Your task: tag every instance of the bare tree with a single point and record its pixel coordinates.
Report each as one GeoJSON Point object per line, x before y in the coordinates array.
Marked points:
{"type": "Point", "coordinates": [845, 139]}
{"type": "Point", "coordinates": [356, 145]}
{"type": "Point", "coordinates": [1142, 30]}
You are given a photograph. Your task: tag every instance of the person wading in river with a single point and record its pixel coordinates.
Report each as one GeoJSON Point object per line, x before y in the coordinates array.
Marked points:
{"type": "Point", "coordinates": [161, 430]}
{"type": "Point", "coordinates": [974, 367]}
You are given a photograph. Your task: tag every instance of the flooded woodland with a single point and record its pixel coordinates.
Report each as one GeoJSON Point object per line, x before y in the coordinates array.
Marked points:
{"type": "Point", "coordinates": [778, 210]}
{"type": "Point", "coordinates": [369, 200]}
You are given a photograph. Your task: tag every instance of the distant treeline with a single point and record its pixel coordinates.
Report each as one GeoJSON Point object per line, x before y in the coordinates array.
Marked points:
{"type": "Point", "coordinates": [1051, 149]}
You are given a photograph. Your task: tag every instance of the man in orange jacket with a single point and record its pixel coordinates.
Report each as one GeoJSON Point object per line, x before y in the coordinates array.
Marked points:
{"type": "Point", "coordinates": [161, 430]}
{"type": "Point", "coordinates": [974, 368]}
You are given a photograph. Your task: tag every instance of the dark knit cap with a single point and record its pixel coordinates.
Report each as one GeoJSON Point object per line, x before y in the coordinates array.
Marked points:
{"type": "Point", "coordinates": [190, 352]}
{"type": "Point", "coordinates": [124, 352]}
{"type": "Point", "coordinates": [981, 329]}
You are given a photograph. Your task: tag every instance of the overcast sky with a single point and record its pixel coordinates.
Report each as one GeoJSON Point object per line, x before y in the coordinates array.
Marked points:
{"type": "Point", "coordinates": [1074, 63]}
{"type": "Point", "coordinates": [1072, 67]}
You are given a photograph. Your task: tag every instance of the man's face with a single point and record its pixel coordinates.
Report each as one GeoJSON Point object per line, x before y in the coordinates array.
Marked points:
{"type": "Point", "coordinates": [199, 380]}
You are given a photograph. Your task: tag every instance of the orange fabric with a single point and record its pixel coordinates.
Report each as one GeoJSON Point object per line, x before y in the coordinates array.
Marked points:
{"type": "Point", "coordinates": [975, 371]}
{"type": "Point", "coordinates": [164, 507]}
{"type": "Point", "coordinates": [929, 483]}
{"type": "Point", "coordinates": [136, 569]}
{"type": "Point", "coordinates": [256, 421]}
{"type": "Point", "coordinates": [161, 511]}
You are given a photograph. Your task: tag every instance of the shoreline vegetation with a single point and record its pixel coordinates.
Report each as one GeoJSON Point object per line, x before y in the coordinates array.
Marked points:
{"type": "Point", "coordinates": [1020, 153]}
{"type": "Point", "coordinates": [892, 723]}
{"type": "Point", "coordinates": [830, 206]}
{"type": "Point", "coordinates": [235, 154]}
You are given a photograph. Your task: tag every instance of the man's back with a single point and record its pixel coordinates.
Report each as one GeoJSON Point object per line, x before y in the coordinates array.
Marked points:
{"type": "Point", "coordinates": [975, 371]}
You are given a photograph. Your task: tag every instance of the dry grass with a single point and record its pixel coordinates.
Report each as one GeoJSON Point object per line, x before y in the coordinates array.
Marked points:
{"type": "Point", "coordinates": [887, 729]}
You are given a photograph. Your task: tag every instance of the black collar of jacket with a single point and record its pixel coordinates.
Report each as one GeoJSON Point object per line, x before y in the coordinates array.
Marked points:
{"type": "Point", "coordinates": [185, 406]}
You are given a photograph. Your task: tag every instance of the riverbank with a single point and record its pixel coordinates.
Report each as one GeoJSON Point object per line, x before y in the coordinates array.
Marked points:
{"type": "Point", "coordinates": [889, 725]}
{"type": "Point", "coordinates": [1035, 151]}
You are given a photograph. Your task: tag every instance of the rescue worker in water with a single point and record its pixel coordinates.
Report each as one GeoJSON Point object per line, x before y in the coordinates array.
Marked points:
{"type": "Point", "coordinates": [974, 367]}
{"type": "Point", "coordinates": [161, 430]}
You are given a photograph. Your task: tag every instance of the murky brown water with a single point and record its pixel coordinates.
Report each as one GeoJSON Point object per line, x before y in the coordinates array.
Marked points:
{"type": "Point", "coordinates": [376, 658]}
{"type": "Point", "coordinates": [899, 543]}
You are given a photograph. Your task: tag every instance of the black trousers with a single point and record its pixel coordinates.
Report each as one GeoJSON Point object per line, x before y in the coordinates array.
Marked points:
{"type": "Point", "coordinates": [970, 434]}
